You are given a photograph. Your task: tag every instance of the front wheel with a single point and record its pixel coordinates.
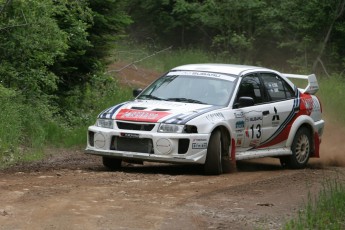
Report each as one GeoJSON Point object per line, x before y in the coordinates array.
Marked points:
{"type": "Point", "coordinates": [213, 163]}
{"type": "Point", "coordinates": [301, 149]}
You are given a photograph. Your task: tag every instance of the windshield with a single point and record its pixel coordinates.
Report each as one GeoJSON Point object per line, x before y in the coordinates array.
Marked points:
{"type": "Point", "coordinates": [191, 87]}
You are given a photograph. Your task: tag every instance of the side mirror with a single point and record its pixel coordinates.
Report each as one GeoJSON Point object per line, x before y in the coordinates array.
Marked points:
{"type": "Point", "coordinates": [245, 102]}
{"type": "Point", "coordinates": [136, 92]}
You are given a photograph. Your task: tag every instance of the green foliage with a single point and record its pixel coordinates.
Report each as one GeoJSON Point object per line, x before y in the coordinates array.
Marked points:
{"type": "Point", "coordinates": [331, 92]}
{"type": "Point", "coordinates": [324, 212]}
{"type": "Point", "coordinates": [73, 18]}
{"type": "Point", "coordinates": [30, 42]}
{"type": "Point", "coordinates": [22, 125]}
{"type": "Point", "coordinates": [109, 23]}
{"type": "Point", "coordinates": [273, 33]}
{"type": "Point", "coordinates": [51, 70]}
{"type": "Point", "coordinates": [10, 125]}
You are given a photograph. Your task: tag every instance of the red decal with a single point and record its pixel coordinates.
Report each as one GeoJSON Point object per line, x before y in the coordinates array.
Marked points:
{"type": "Point", "coordinates": [307, 103]}
{"type": "Point", "coordinates": [233, 150]}
{"type": "Point", "coordinates": [140, 115]}
{"type": "Point", "coordinates": [281, 136]}
{"type": "Point", "coordinates": [316, 145]}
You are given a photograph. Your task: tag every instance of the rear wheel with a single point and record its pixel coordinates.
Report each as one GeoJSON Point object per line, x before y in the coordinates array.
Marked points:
{"type": "Point", "coordinates": [213, 163]}
{"type": "Point", "coordinates": [301, 148]}
{"type": "Point", "coordinates": [112, 163]}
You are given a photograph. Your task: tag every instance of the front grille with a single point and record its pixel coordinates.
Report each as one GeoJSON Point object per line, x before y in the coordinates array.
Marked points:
{"type": "Point", "coordinates": [139, 145]}
{"type": "Point", "coordinates": [134, 126]}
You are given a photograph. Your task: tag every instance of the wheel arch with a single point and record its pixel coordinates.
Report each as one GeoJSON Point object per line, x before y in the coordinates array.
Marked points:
{"type": "Point", "coordinates": [306, 122]}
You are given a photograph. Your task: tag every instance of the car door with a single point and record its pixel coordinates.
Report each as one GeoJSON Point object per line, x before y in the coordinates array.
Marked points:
{"type": "Point", "coordinates": [249, 127]}
{"type": "Point", "coordinates": [280, 109]}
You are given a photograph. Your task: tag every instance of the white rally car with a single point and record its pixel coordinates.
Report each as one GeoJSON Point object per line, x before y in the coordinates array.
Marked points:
{"type": "Point", "coordinates": [209, 113]}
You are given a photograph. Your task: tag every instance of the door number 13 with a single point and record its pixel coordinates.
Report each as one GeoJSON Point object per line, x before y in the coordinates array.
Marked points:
{"type": "Point", "coordinates": [258, 128]}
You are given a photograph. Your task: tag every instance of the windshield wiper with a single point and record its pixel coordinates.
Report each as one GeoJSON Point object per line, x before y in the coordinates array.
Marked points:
{"type": "Point", "coordinates": [150, 97]}
{"type": "Point", "coordinates": [182, 99]}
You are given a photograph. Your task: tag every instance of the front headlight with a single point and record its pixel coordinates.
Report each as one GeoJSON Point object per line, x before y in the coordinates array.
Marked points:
{"type": "Point", "coordinates": [170, 128]}
{"type": "Point", "coordinates": [105, 123]}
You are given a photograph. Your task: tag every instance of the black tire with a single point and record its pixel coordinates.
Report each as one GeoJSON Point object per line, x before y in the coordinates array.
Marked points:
{"type": "Point", "coordinates": [284, 161]}
{"type": "Point", "coordinates": [112, 163]}
{"type": "Point", "coordinates": [213, 163]}
{"type": "Point", "coordinates": [301, 149]}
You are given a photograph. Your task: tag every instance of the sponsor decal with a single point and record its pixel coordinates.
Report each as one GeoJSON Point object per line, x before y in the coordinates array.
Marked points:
{"type": "Point", "coordinates": [253, 118]}
{"type": "Point", "coordinates": [197, 140]}
{"type": "Point", "coordinates": [254, 143]}
{"type": "Point", "coordinates": [239, 115]}
{"type": "Point", "coordinates": [275, 116]}
{"type": "Point", "coordinates": [239, 142]}
{"type": "Point", "coordinates": [140, 115]}
{"type": "Point", "coordinates": [202, 145]}
{"type": "Point", "coordinates": [311, 104]}
{"type": "Point", "coordinates": [202, 74]}
{"type": "Point", "coordinates": [129, 135]}
{"type": "Point", "coordinates": [247, 133]}
{"type": "Point", "coordinates": [239, 135]}
{"type": "Point", "coordinates": [275, 119]}
{"type": "Point", "coordinates": [240, 125]}
{"type": "Point", "coordinates": [215, 117]}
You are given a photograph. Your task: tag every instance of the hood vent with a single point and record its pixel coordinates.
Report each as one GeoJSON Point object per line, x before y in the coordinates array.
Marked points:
{"type": "Point", "coordinates": [161, 110]}
{"type": "Point", "coordinates": [138, 108]}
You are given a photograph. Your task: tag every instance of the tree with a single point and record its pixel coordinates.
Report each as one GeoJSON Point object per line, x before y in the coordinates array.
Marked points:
{"type": "Point", "coordinates": [30, 42]}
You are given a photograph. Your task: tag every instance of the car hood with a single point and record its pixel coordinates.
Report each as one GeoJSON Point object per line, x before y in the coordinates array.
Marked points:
{"type": "Point", "coordinates": [157, 111]}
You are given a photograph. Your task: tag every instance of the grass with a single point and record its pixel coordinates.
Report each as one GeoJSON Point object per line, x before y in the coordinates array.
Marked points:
{"type": "Point", "coordinates": [326, 211]}
{"type": "Point", "coordinates": [332, 94]}
{"type": "Point", "coordinates": [27, 129]}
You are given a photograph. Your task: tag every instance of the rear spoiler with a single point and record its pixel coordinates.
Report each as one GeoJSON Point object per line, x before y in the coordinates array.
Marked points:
{"type": "Point", "coordinates": [312, 86]}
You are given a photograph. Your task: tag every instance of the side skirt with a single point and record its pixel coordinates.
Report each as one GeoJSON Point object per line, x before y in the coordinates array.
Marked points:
{"type": "Point", "coordinates": [252, 154]}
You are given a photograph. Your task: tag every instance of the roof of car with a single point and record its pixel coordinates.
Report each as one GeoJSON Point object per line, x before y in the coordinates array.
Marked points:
{"type": "Point", "coordinates": [221, 68]}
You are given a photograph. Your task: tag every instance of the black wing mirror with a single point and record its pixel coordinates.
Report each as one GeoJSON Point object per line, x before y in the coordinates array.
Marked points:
{"type": "Point", "coordinates": [136, 92]}
{"type": "Point", "coordinates": [245, 102]}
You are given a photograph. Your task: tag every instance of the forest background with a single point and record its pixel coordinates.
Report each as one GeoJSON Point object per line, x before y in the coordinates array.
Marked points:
{"type": "Point", "coordinates": [54, 55]}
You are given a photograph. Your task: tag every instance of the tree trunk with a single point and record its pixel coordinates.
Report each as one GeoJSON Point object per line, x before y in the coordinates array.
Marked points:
{"type": "Point", "coordinates": [340, 11]}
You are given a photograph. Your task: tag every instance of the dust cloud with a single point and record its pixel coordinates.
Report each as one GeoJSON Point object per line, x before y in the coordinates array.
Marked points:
{"type": "Point", "coordinates": [332, 149]}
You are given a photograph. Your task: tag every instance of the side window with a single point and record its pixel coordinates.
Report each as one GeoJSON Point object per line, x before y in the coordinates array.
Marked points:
{"type": "Point", "coordinates": [250, 87]}
{"type": "Point", "coordinates": [277, 89]}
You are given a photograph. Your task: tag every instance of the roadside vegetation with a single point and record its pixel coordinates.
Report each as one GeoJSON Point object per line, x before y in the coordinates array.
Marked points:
{"type": "Point", "coordinates": [326, 211]}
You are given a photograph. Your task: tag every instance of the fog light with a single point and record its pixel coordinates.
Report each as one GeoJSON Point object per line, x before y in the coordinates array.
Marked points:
{"type": "Point", "coordinates": [164, 146]}
{"type": "Point", "coordinates": [99, 140]}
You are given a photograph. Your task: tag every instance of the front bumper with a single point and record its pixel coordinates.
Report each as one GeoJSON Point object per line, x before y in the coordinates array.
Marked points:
{"type": "Point", "coordinates": [147, 146]}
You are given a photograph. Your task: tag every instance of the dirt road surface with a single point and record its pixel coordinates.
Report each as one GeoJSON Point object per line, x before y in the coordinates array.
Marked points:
{"type": "Point", "coordinates": [71, 190]}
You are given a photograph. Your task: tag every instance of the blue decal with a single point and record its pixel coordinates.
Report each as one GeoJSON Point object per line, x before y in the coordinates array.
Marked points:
{"type": "Point", "coordinates": [108, 113]}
